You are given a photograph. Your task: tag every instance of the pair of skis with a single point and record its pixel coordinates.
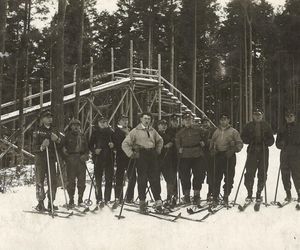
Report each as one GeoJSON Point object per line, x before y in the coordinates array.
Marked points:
{"type": "Point", "coordinates": [257, 205]}
{"type": "Point", "coordinates": [55, 213]}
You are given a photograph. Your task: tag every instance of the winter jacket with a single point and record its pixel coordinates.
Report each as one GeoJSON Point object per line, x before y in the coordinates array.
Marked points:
{"type": "Point", "coordinates": [118, 137]}
{"type": "Point", "coordinates": [74, 143]}
{"type": "Point", "coordinates": [100, 139]}
{"type": "Point", "coordinates": [189, 140]}
{"type": "Point", "coordinates": [139, 138]}
{"type": "Point", "coordinates": [249, 135]}
{"type": "Point", "coordinates": [39, 135]}
{"type": "Point", "coordinates": [288, 139]}
{"type": "Point", "coordinates": [222, 140]}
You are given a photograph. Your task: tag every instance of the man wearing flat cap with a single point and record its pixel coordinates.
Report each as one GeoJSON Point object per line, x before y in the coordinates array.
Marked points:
{"type": "Point", "coordinates": [101, 145]}
{"type": "Point", "coordinates": [76, 152]}
{"type": "Point", "coordinates": [288, 140]}
{"type": "Point", "coordinates": [44, 138]}
{"type": "Point", "coordinates": [190, 143]}
{"type": "Point", "coordinates": [259, 137]}
{"type": "Point", "coordinates": [122, 161]}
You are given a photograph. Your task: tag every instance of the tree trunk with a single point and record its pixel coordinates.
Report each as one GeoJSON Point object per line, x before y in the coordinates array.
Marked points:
{"type": "Point", "coordinates": [79, 59]}
{"type": "Point", "coordinates": [194, 95]}
{"type": "Point", "coordinates": [3, 10]}
{"type": "Point", "coordinates": [172, 46]}
{"type": "Point", "coordinates": [58, 83]}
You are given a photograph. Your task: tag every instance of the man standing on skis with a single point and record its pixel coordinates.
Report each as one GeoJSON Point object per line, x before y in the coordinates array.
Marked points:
{"type": "Point", "coordinates": [165, 162]}
{"type": "Point", "coordinates": [225, 142]}
{"type": "Point", "coordinates": [288, 140]}
{"type": "Point", "coordinates": [209, 129]}
{"type": "Point", "coordinates": [43, 140]}
{"type": "Point", "coordinates": [259, 136]}
{"type": "Point", "coordinates": [122, 161]}
{"type": "Point", "coordinates": [190, 143]}
{"type": "Point", "coordinates": [144, 144]}
{"type": "Point", "coordinates": [101, 145]}
{"type": "Point", "coordinates": [76, 151]}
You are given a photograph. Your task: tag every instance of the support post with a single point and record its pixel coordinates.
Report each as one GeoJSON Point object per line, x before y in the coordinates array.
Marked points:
{"type": "Point", "coordinates": [30, 94]}
{"type": "Point", "coordinates": [131, 78]}
{"type": "Point", "coordinates": [41, 93]}
{"type": "Point", "coordinates": [91, 90]}
{"type": "Point", "coordinates": [112, 62]}
{"type": "Point", "coordinates": [159, 87]}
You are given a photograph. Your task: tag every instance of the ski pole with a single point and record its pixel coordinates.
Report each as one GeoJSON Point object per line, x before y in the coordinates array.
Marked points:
{"type": "Point", "coordinates": [60, 173]}
{"type": "Point", "coordinates": [178, 178]}
{"type": "Point", "coordinates": [88, 201]}
{"type": "Point", "coordinates": [265, 175]}
{"type": "Point", "coordinates": [238, 189]}
{"type": "Point", "coordinates": [49, 181]}
{"type": "Point", "coordinates": [227, 179]}
{"type": "Point", "coordinates": [276, 190]}
{"type": "Point", "coordinates": [126, 193]}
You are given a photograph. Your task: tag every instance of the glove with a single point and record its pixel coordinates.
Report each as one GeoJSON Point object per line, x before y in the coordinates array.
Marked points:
{"type": "Point", "coordinates": [180, 150]}
{"type": "Point", "coordinates": [213, 152]}
{"type": "Point", "coordinates": [45, 144]}
{"type": "Point", "coordinates": [229, 153]}
{"type": "Point", "coordinates": [65, 151]}
{"type": "Point", "coordinates": [111, 145]}
{"type": "Point", "coordinates": [202, 143]}
{"type": "Point", "coordinates": [54, 137]}
{"type": "Point", "coordinates": [98, 151]}
{"type": "Point", "coordinates": [135, 155]}
{"type": "Point", "coordinates": [84, 157]}
{"type": "Point", "coordinates": [168, 145]}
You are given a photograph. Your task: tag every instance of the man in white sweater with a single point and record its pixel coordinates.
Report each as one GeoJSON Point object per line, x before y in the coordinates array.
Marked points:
{"type": "Point", "coordinates": [144, 144]}
{"type": "Point", "coordinates": [225, 142]}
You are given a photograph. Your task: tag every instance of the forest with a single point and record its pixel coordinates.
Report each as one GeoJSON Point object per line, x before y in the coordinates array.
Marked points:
{"type": "Point", "coordinates": [232, 59]}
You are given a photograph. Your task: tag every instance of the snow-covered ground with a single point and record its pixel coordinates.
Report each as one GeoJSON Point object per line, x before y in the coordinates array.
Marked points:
{"type": "Point", "coordinates": [271, 228]}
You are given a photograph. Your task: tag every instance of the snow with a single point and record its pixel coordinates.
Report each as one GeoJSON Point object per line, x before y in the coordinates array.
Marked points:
{"type": "Point", "coordinates": [271, 228]}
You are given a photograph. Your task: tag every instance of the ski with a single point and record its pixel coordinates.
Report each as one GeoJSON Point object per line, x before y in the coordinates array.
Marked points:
{"type": "Point", "coordinates": [195, 210]}
{"type": "Point", "coordinates": [59, 214]}
{"type": "Point", "coordinates": [242, 208]}
{"type": "Point", "coordinates": [77, 209]}
{"type": "Point", "coordinates": [283, 204]}
{"type": "Point", "coordinates": [152, 214]}
{"type": "Point", "coordinates": [212, 210]}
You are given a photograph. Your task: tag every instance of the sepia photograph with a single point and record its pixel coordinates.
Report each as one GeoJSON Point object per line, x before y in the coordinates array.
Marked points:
{"type": "Point", "coordinates": [149, 124]}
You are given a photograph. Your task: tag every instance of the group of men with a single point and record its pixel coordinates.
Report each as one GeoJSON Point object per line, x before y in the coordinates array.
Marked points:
{"type": "Point", "coordinates": [195, 151]}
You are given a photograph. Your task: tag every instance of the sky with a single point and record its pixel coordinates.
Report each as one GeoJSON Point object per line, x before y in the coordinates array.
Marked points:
{"type": "Point", "coordinates": [110, 5]}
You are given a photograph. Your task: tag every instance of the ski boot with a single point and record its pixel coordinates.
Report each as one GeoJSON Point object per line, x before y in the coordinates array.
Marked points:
{"type": "Point", "coordinates": [116, 204]}
{"type": "Point", "coordinates": [40, 206]}
{"type": "Point", "coordinates": [80, 202]}
{"type": "Point", "coordinates": [54, 207]}
{"type": "Point", "coordinates": [288, 196]}
{"type": "Point", "coordinates": [143, 207]}
{"type": "Point", "coordinates": [71, 203]}
{"type": "Point", "coordinates": [158, 207]}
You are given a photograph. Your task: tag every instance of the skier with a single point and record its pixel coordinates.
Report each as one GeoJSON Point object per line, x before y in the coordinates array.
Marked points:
{"type": "Point", "coordinates": [259, 135]}
{"type": "Point", "coordinates": [225, 142]}
{"type": "Point", "coordinates": [208, 132]}
{"type": "Point", "coordinates": [288, 140]}
{"type": "Point", "coordinates": [172, 130]}
{"type": "Point", "coordinates": [122, 161]}
{"type": "Point", "coordinates": [44, 138]}
{"type": "Point", "coordinates": [101, 145]}
{"type": "Point", "coordinates": [165, 162]}
{"type": "Point", "coordinates": [144, 144]}
{"type": "Point", "coordinates": [190, 143]}
{"type": "Point", "coordinates": [76, 151]}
